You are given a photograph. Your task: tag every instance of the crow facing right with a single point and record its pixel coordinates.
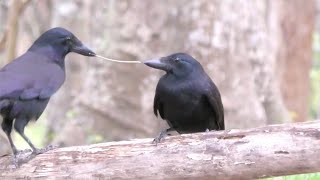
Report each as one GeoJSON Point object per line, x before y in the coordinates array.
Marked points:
{"type": "Point", "coordinates": [185, 96]}
{"type": "Point", "coordinates": [28, 82]}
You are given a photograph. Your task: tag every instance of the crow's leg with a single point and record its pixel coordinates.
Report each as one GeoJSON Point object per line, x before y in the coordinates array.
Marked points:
{"type": "Point", "coordinates": [19, 126]}
{"type": "Point", "coordinates": [162, 135]}
{"type": "Point", "coordinates": [7, 128]}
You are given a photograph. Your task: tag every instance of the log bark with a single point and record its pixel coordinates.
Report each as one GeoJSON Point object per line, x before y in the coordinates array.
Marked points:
{"type": "Point", "coordinates": [237, 154]}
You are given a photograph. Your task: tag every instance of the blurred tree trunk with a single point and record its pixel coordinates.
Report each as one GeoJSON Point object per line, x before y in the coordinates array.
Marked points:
{"type": "Point", "coordinates": [294, 54]}
{"type": "Point", "coordinates": [15, 10]}
{"type": "Point", "coordinates": [3, 38]}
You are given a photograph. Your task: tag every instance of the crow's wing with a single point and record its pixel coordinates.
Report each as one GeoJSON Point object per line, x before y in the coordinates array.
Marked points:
{"type": "Point", "coordinates": [30, 76]}
{"type": "Point", "coordinates": [4, 103]}
{"type": "Point", "coordinates": [212, 95]}
{"type": "Point", "coordinates": [158, 105]}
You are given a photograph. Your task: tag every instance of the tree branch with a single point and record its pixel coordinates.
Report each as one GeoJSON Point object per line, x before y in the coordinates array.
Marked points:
{"type": "Point", "coordinates": [236, 154]}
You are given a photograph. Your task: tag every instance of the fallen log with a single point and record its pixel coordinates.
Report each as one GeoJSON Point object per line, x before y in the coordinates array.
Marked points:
{"type": "Point", "coordinates": [237, 154]}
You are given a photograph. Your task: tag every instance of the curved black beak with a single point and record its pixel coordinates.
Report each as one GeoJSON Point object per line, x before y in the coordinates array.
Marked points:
{"type": "Point", "coordinates": [157, 64]}
{"type": "Point", "coordinates": [83, 50]}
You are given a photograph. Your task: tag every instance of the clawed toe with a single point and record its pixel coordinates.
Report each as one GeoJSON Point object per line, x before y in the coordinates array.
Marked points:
{"type": "Point", "coordinates": [21, 156]}
{"type": "Point", "coordinates": [21, 152]}
{"type": "Point", "coordinates": [157, 140]}
{"type": "Point", "coordinates": [37, 151]}
{"type": "Point", "coordinates": [51, 147]}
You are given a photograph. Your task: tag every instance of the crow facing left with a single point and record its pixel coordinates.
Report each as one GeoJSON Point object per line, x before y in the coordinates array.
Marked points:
{"type": "Point", "coordinates": [28, 82]}
{"type": "Point", "coordinates": [185, 96]}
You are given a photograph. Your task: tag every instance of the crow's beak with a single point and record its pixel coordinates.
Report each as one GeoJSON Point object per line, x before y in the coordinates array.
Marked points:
{"type": "Point", "coordinates": [157, 64]}
{"type": "Point", "coordinates": [81, 49]}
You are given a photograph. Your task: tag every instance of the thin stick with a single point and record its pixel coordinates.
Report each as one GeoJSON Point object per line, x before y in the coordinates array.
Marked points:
{"type": "Point", "coordinates": [115, 60]}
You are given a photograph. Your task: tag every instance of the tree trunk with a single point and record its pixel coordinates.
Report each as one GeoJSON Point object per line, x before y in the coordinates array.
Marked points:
{"type": "Point", "coordinates": [15, 10]}
{"type": "Point", "coordinates": [294, 54]}
{"type": "Point", "coordinates": [237, 154]}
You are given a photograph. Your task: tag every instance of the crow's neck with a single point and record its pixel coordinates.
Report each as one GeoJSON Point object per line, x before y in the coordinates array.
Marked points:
{"type": "Point", "coordinates": [54, 54]}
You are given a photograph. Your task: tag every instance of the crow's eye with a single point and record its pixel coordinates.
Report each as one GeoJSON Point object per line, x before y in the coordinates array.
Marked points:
{"type": "Point", "coordinates": [67, 40]}
{"type": "Point", "coordinates": [176, 60]}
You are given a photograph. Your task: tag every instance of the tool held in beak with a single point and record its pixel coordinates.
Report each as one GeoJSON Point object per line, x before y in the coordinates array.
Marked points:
{"type": "Point", "coordinates": [115, 60]}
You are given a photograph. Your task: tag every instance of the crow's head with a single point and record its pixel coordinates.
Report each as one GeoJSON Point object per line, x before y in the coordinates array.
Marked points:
{"type": "Point", "coordinates": [62, 42]}
{"type": "Point", "coordinates": [178, 64]}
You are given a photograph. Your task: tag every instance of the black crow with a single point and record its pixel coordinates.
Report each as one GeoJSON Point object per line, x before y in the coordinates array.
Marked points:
{"type": "Point", "coordinates": [28, 82]}
{"type": "Point", "coordinates": [185, 96]}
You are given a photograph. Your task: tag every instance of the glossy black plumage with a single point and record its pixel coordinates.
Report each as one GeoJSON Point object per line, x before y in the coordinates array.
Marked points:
{"type": "Point", "coordinates": [185, 96]}
{"type": "Point", "coordinates": [28, 82]}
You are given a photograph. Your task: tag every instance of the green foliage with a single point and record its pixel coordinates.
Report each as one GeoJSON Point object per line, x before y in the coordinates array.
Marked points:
{"type": "Point", "coordinates": [313, 176]}
{"type": "Point", "coordinates": [315, 77]}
